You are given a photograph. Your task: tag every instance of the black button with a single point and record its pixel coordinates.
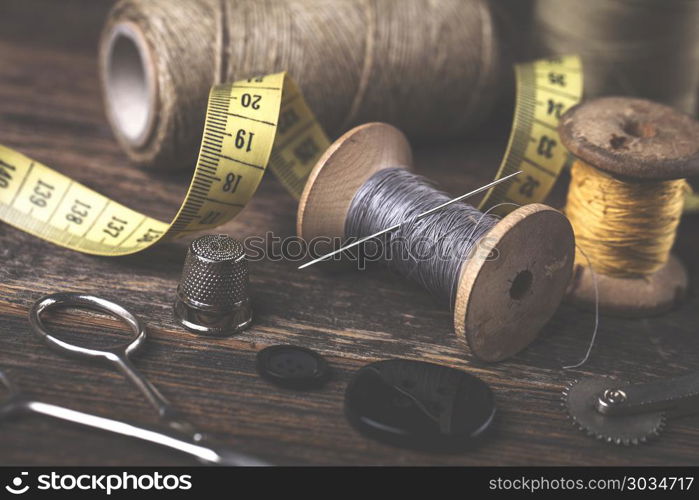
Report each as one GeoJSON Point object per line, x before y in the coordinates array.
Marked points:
{"type": "Point", "coordinates": [419, 405]}
{"type": "Point", "coordinates": [292, 367]}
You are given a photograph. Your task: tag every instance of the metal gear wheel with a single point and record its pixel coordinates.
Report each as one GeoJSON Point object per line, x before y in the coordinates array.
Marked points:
{"type": "Point", "coordinates": [579, 400]}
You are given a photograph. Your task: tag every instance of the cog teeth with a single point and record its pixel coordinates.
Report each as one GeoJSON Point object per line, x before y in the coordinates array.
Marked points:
{"type": "Point", "coordinates": [660, 428]}
{"type": "Point", "coordinates": [566, 392]}
{"type": "Point", "coordinates": [597, 430]}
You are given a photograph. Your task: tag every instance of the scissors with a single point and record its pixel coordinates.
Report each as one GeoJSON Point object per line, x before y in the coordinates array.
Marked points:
{"type": "Point", "coordinates": [176, 432]}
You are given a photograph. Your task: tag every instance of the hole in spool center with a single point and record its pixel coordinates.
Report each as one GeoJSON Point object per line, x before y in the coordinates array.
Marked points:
{"type": "Point", "coordinates": [128, 87]}
{"type": "Point", "coordinates": [521, 284]}
{"type": "Point", "coordinates": [642, 130]}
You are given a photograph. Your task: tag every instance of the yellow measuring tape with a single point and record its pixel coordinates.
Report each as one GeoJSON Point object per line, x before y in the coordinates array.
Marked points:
{"type": "Point", "coordinates": [249, 125]}
{"type": "Point", "coordinates": [545, 90]}
{"type": "Point", "coordinates": [253, 124]}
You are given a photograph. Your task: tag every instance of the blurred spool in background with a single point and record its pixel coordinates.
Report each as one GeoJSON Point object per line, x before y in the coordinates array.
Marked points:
{"type": "Point", "coordinates": [642, 48]}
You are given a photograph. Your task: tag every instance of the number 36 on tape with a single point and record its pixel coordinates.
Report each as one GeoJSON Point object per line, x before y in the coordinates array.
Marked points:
{"type": "Point", "coordinates": [249, 125]}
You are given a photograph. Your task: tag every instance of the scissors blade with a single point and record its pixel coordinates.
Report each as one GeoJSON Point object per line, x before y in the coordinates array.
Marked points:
{"type": "Point", "coordinates": [164, 437]}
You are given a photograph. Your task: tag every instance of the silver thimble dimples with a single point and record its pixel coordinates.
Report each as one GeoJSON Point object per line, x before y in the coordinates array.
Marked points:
{"type": "Point", "coordinates": [212, 297]}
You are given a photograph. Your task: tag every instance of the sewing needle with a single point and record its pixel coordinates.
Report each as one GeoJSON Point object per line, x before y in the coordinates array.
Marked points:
{"type": "Point", "coordinates": [420, 216]}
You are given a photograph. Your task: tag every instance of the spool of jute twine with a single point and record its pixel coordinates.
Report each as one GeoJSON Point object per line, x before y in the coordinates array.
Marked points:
{"type": "Point", "coordinates": [429, 67]}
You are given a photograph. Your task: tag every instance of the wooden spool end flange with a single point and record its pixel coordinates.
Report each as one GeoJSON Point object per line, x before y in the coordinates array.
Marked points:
{"type": "Point", "coordinates": [639, 141]}
{"type": "Point", "coordinates": [501, 302]}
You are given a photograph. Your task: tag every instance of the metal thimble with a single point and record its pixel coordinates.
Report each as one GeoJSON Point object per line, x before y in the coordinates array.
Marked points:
{"type": "Point", "coordinates": [212, 297]}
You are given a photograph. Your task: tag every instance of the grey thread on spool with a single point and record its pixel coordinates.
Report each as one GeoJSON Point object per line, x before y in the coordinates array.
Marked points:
{"type": "Point", "coordinates": [429, 251]}
{"type": "Point", "coordinates": [644, 48]}
{"type": "Point", "coordinates": [393, 195]}
{"type": "Point", "coordinates": [428, 67]}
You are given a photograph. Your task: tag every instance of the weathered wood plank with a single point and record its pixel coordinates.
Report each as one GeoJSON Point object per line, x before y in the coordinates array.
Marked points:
{"type": "Point", "coordinates": [50, 109]}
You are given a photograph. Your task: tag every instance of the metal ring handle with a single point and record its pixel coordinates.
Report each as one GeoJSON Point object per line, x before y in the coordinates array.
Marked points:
{"type": "Point", "coordinates": [83, 301]}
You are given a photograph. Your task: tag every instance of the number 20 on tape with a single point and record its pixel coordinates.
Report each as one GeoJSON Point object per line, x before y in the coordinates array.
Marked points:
{"type": "Point", "coordinates": [249, 125]}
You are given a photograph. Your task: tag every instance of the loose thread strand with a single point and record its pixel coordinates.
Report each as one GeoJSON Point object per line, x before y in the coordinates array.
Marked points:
{"type": "Point", "coordinates": [596, 327]}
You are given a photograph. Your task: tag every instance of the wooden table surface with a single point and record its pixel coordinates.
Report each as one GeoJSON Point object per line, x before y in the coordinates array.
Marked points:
{"type": "Point", "coordinates": [50, 109]}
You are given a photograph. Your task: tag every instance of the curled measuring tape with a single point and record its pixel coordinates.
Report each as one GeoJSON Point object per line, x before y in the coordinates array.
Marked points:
{"type": "Point", "coordinates": [251, 125]}
{"type": "Point", "coordinates": [545, 90]}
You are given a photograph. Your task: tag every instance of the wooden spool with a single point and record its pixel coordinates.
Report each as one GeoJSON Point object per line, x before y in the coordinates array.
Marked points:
{"type": "Point", "coordinates": [501, 303]}
{"type": "Point", "coordinates": [636, 140]}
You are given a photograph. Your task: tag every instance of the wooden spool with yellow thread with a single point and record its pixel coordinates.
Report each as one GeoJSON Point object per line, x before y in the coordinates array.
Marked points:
{"type": "Point", "coordinates": [625, 202]}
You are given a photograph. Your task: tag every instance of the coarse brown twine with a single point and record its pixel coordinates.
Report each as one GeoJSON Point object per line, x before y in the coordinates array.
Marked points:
{"type": "Point", "coordinates": [429, 67]}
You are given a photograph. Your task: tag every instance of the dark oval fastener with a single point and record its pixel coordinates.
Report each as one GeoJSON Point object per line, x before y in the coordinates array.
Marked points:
{"type": "Point", "coordinates": [420, 405]}
{"type": "Point", "coordinates": [293, 367]}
